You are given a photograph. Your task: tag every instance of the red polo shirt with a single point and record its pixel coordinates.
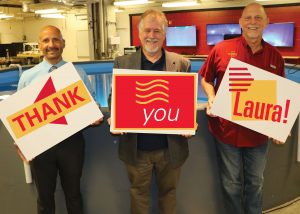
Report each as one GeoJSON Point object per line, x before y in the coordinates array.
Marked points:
{"type": "Point", "coordinates": [268, 59]}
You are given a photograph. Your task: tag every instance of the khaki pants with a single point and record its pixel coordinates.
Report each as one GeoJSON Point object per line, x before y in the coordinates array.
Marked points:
{"type": "Point", "coordinates": [140, 178]}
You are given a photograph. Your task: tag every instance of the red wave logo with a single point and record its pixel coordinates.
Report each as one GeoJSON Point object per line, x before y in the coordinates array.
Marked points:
{"type": "Point", "coordinates": [152, 91]}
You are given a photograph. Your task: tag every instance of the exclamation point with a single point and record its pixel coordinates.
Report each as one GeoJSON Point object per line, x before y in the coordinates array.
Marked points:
{"type": "Point", "coordinates": [287, 106]}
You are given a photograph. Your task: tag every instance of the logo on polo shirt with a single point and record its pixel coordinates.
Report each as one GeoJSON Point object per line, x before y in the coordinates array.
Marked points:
{"type": "Point", "coordinates": [50, 106]}
{"type": "Point", "coordinates": [232, 54]}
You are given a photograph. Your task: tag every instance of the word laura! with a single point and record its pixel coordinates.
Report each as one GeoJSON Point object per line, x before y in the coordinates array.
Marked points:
{"type": "Point", "coordinates": [260, 110]}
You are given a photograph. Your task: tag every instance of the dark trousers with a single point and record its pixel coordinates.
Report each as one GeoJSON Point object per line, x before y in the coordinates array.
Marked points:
{"type": "Point", "coordinates": [140, 178]}
{"type": "Point", "coordinates": [66, 158]}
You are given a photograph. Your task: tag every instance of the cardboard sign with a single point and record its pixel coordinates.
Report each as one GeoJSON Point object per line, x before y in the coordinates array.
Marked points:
{"type": "Point", "coordinates": [153, 102]}
{"type": "Point", "coordinates": [48, 111]}
{"type": "Point", "coordinates": [258, 100]}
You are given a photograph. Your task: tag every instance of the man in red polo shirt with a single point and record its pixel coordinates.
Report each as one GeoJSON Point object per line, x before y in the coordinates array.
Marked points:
{"type": "Point", "coordinates": [241, 151]}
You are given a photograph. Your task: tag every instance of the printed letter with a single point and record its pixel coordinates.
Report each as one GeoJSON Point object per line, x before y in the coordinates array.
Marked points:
{"type": "Point", "coordinates": [147, 118]}
{"type": "Point", "coordinates": [236, 105]}
{"type": "Point", "coordinates": [18, 119]}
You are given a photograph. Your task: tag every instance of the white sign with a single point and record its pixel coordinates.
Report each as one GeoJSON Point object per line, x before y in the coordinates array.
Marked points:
{"type": "Point", "coordinates": [258, 100]}
{"type": "Point", "coordinates": [48, 111]}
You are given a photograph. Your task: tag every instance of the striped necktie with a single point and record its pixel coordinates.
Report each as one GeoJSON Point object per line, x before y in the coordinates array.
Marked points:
{"type": "Point", "coordinates": [52, 68]}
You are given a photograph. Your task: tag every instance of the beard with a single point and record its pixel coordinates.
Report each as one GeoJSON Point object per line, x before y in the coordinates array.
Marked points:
{"type": "Point", "coordinates": [150, 48]}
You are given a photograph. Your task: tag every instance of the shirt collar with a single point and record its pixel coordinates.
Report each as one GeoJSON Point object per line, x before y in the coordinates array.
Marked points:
{"type": "Point", "coordinates": [245, 44]}
{"type": "Point", "coordinates": [144, 58]}
{"type": "Point", "coordinates": [48, 65]}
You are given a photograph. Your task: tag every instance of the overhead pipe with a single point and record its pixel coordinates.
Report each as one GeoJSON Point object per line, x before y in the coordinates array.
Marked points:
{"type": "Point", "coordinates": [97, 28]}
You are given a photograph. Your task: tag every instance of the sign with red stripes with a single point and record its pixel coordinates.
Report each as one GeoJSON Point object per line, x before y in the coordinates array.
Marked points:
{"type": "Point", "coordinates": [258, 100]}
{"type": "Point", "coordinates": [154, 102]}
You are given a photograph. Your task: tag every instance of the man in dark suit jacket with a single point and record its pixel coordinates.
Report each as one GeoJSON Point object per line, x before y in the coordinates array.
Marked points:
{"type": "Point", "coordinates": [145, 153]}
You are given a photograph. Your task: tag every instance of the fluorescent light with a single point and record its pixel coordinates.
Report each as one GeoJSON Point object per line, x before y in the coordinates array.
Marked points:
{"type": "Point", "coordinates": [180, 4]}
{"type": "Point", "coordinates": [54, 10]}
{"type": "Point", "coordinates": [130, 2]}
{"type": "Point", "coordinates": [4, 16]}
{"type": "Point", "coordinates": [53, 16]}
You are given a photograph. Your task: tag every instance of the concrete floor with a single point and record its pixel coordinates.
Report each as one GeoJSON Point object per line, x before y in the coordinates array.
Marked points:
{"type": "Point", "coordinates": [288, 208]}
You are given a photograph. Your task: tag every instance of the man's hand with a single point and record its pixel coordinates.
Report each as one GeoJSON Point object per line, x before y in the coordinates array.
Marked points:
{"type": "Point", "coordinates": [21, 154]}
{"type": "Point", "coordinates": [189, 135]}
{"type": "Point", "coordinates": [97, 122]}
{"type": "Point", "coordinates": [277, 141]}
{"type": "Point", "coordinates": [116, 133]}
{"type": "Point", "coordinates": [209, 106]}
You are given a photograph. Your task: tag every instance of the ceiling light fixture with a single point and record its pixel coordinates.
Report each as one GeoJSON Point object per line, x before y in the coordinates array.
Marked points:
{"type": "Point", "coordinates": [46, 11]}
{"type": "Point", "coordinates": [180, 4]}
{"type": "Point", "coordinates": [53, 16]}
{"type": "Point", "coordinates": [131, 2]}
{"type": "Point", "coordinates": [4, 16]}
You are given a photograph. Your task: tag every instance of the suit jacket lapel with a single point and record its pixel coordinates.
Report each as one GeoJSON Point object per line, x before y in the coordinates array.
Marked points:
{"type": "Point", "coordinates": [170, 63]}
{"type": "Point", "coordinates": [137, 60]}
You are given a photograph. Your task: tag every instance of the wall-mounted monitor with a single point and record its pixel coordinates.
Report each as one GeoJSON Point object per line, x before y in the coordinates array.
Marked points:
{"type": "Point", "coordinates": [181, 36]}
{"type": "Point", "coordinates": [215, 32]}
{"type": "Point", "coordinates": [280, 34]}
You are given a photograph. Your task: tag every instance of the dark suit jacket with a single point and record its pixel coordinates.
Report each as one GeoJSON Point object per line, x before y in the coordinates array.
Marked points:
{"type": "Point", "coordinates": [177, 145]}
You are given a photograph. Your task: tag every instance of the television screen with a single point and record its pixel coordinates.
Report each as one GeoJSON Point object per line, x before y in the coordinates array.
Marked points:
{"type": "Point", "coordinates": [215, 32]}
{"type": "Point", "coordinates": [280, 34]}
{"type": "Point", "coordinates": [181, 36]}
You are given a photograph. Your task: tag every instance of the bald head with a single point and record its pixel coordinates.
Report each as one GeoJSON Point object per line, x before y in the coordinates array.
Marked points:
{"type": "Point", "coordinates": [253, 22]}
{"type": "Point", "coordinates": [51, 43]}
{"type": "Point", "coordinates": [254, 6]}
{"type": "Point", "coordinates": [50, 28]}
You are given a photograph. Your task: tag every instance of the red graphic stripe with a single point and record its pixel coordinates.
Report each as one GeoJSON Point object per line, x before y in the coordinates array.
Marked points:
{"type": "Point", "coordinates": [237, 68]}
{"type": "Point", "coordinates": [239, 84]}
{"type": "Point", "coordinates": [240, 89]}
{"type": "Point", "coordinates": [237, 80]}
{"type": "Point", "coordinates": [241, 79]}
{"type": "Point", "coordinates": [240, 74]}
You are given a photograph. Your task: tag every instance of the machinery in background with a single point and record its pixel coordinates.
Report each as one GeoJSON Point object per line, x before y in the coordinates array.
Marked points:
{"type": "Point", "coordinates": [19, 53]}
{"type": "Point", "coordinates": [113, 46]}
{"type": "Point", "coordinates": [31, 53]}
{"type": "Point", "coordinates": [130, 50]}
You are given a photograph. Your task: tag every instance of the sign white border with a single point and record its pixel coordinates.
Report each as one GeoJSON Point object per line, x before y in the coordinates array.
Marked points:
{"type": "Point", "coordinates": [161, 131]}
{"type": "Point", "coordinates": [286, 89]}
